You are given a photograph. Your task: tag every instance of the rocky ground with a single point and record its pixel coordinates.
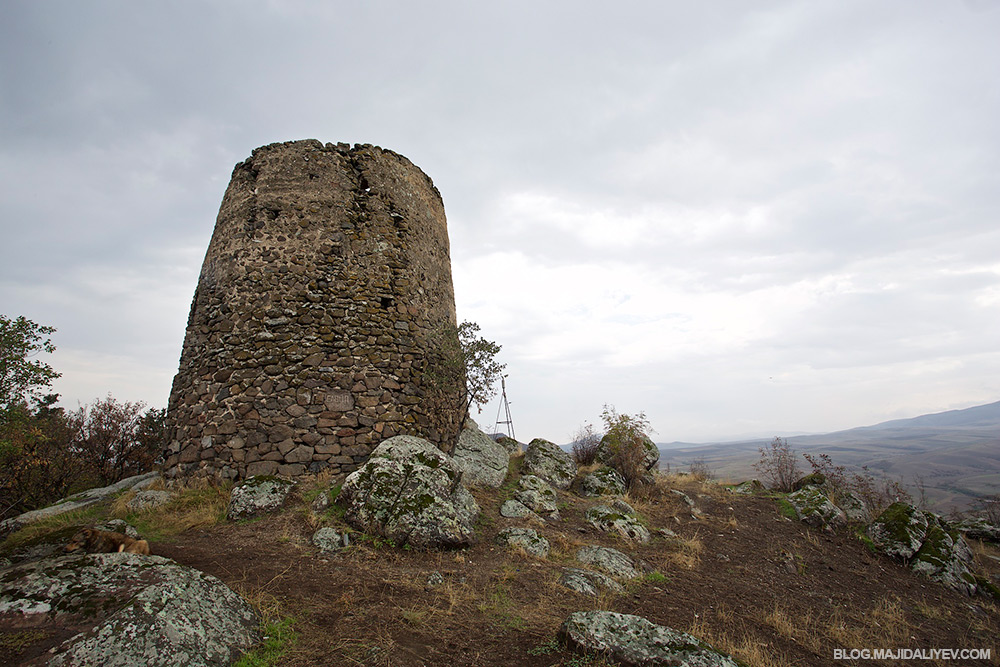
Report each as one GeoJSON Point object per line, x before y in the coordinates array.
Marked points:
{"type": "Point", "coordinates": [767, 589]}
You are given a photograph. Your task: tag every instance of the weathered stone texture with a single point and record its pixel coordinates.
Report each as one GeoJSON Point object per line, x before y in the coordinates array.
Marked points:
{"type": "Point", "coordinates": [318, 310]}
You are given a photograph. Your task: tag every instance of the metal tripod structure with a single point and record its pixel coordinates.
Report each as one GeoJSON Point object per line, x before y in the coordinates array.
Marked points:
{"type": "Point", "coordinates": [505, 408]}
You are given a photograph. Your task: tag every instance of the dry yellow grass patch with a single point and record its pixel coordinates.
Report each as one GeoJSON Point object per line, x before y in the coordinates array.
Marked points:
{"type": "Point", "coordinates": [738, 643]}
{"type": "Point", "coordinates": [684, 552]}
{"type": "Point", "coordinates": [884, 625]}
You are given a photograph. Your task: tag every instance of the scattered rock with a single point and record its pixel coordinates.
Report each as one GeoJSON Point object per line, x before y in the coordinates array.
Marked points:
{"type": "Point", "coordinates": [620, 505]}
{"type": "Point", "coordinates": [514, 509]}
{"type": "Point", "coordinates": [525, 538]}
{"type": "Point", "coordinates": [812, 479]}
{"type": "Point", "coordinates": [513, 447]}
{"type": "Point", "coordinates": [607, 452]}
{"type": "Point", "coordinates": [632, 640]}
{"type": "Point", "coordinates": [411, 493]}
{"type": "Point", "coordinates": [588, 582]}
{"type": "Point", "coordinates": [748, 488]}
{"type": "Point", "coordinates": [328, 539]}
{"type": "Point", "coordinates": [683, 496]}
{"type": "Point", "coordinates": [611, 561]}
{"type": "Point", "coordinates": [927, 543]}
{"type": "Point", "coordinates": [148, 499]}
{"type": "Point", "coordinates": [536, 494]}
{"type": "Point", "coordinates": [855, 508]}
{"type": "Point", "coordinates": [550, 462]}
{"type": "Point", "coordinates": [119, 526]}
{"type": "Point", "coordinates": [604, 481]}
{"type": "Point", "coordinates": [257, 495]}
{"type": "Point", "coordinates": [483, 462]}
{"type": "Point", "coordinates": [814, 508]}
{"type": "Point", "coordinates": [434, 579]}
{"type": "Point", "coordinates": [609, 520]}
{"type": "Point", "coordinates": [321, 502]}
{"type": "Point", "coordinates": [124, 609]}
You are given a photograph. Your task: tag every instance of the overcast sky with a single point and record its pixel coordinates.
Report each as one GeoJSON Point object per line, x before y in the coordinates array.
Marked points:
{"type": "Point", "coordinates": [738, 217]}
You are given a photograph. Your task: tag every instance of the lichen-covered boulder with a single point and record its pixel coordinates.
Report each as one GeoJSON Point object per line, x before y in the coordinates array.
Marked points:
{"type": "Point", "coordinates": [257, 495]}
{"type": "Point", "coordinates": [633, 640]}
{"type": "Point", "coordinates": [617, 522]}
{"type": "Point", "coordinates": [411, 493]}
{"type": "Point", "coordinates": [515, 509]}
{"type": "Point", "coordinates": [550, 462]}
{"type": "Point", "coordinates": [588, 582]}
{"type": "Point", "coordinates": [513, 447]}
{"type": "Point", "coordinates": [483, 462]}
{"type": "Point", "coordinates": [329, 539]}
{"type": "Point", "coordinates": [126, 610]}
{"type": "Point", "coordinates": [979, 528]}
{"type": "Point", "coordinates": [604, 481]}
{"type": "Point", "coordinates": [927, 543]}
{"type": "Point", "coordinates": [610, 561]}
{"type": "Point", "coordinates": [855, 508]}
{"type": "Point", "coordinates": [814, 508]}
{"type": "Point", "coordinates": [748, 488]}
{"type": "Point", "coordinates": [148, 499]}
{"type": "Point", "coordinates": [812, 479]}
{"type": "Point", "coordinates": [524, 538]}
{"type": "Point", "coordinates": [535, 493]}
{"type": "Point", "coordinates": [609, 449]}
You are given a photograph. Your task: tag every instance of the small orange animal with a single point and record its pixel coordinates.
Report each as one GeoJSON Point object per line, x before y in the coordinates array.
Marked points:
{"type": "Point", "coordinates": [96, 541]}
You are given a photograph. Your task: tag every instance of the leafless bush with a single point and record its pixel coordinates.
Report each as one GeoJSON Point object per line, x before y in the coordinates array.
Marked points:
{"type": "Point", "coordinates": [876, 492]}
{"type": "Point", "coordinates": [585, 443]}
{"type": "Point", "coordinates": [989, 508]}
{"type": "Point", "coordinates": [778, 465]}
{"type": "Point", "coordinates": [701, 470]}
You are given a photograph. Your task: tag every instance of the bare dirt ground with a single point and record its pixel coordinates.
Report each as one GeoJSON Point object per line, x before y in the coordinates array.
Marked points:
{"type": "Point", "coordinates": [769, 590]}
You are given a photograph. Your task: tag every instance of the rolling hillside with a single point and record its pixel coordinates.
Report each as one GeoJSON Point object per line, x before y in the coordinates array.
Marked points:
{"type": "Point", "coordinates": [956, 454]}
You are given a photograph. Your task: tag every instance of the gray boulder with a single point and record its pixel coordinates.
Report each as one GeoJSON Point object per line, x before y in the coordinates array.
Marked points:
{"type": "Point", "coordinates": [125, 610]}
{"type": "Point", "coordinates": [482, 461]}
{"type": "Point", "coordinates": [515, 509]}
{"type": "Point", "coordinates": [615, 521]}
{"type": "Point", "coordinates": [978, 528]}
{"type": "Point", "coordinates": [257, 495]}
{"type": "Point", "coordinates": [608, 452]}
{"type": "Point", "coordinates": [750, 487]}
{"type": "Point", "coordinates": [550, 462]}
{"type": "Point", "coordinates": [814, 508]}
{"type": "Point", "coordinates": [854, 506]}
{"type": "Point", "coordinates": [524, 538]}
{"type": "Point", "coordinates": [927, 543]}
{"type": "Point", "coordinates": [632, 640]}
{"type": "Point", "coordinates": [535, 493]}
{"type": "Point", "coordinates": [411, 493]}
{"type": "Point", "coordinates": [604, 481]}
{"type": "Point", "coordinates": [149, 499]}
{"type": "Point", "coordinates": [329, 540]}
{"type": "Point", "coordinates": [588, 582]}
{"type": "Point", "coordinates": [610, 561]}
{"type": "Point", "coordinates": [513, 447]}
{"type": "Point", "coordinates": [77, 501]}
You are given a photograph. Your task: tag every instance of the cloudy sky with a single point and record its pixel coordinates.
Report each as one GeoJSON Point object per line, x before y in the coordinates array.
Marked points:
{"type": "Point", "coordinates": [738, 217]}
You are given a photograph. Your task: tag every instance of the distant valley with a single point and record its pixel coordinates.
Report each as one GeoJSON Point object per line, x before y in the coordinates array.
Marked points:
{"type": "Point", "coordinates": [954, 454]}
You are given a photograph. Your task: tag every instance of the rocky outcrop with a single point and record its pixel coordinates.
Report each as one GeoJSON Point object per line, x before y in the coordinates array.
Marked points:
{"type": "Point", "coordinates": [550, 462]}
{"type": "Point", "coordinates": [927, 543]}
{"type": "Point", "coordinates": [411, 493]}
{"type": "Point", "coordinates": [535, 493]}
{"type": "Point", "coordinates": [979, 528]}
{"type": "Point", "coordinates": [604, 481]}
{"type": "Point", "coordinates": [750, 487]}
{"type": "Point", "coordinates": [633, 640]}
{"type": "Point", "coordinates": [524, 538]}
{"type": "Point", "coordinates": [513, 447]}
{"type": "Point", "coordinates": [77, 502]}
{"type": "Point", "coordinates": [814, 508]}
{"type": "Point", "coordinates": [615, 521]}
{"type": "Point", "coordinates": [125, 610]}
{"type": "Point", "coordinates": [483, 462]}
{"type": "Point", "coordinates": [257, 495]}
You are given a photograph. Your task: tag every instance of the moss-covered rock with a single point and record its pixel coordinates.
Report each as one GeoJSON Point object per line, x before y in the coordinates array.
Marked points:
{"type": "Point", "coordinates": [604, 481]}
{"type": "Point", "coordinates": [411, 493]}
{"type": "Point", "coordinates": [588, 582]}
{"type": "Point", "coordinates": [257, 495]}
{"type": "Point", "coordinates": [610, 561]}
{"type": "Point", "coordinates": [127, 610]}
{"type": "Point", "coordinates": [814, 508]}
{"type": "Point", "coordinates": [614, 521]}
{"type": "Point", "coordinates": [748, 488]}
{"type": "Point", "coordinates": [537, 495]}
{"type": "Point", "coordinates": [524, 538]}
{"type": "Point", "coordinates": [812, 479]}
{"type": "Point", "coordinates": [632, 640]}
{"type": "Point", "coordinates": [550, 462]}
{"type": "Point", "coordinates": [927, 543]}
{"type": "Point", "coordinates": [483, 462]}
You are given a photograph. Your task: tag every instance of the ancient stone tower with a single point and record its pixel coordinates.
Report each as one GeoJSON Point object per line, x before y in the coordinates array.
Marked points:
{"type": "Point", "coordinates": [318, 317]}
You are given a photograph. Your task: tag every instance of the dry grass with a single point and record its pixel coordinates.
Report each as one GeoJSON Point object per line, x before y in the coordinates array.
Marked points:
{"type": "Point", "coordinates": [198, 506]}
{"type": "Point", "coordinates": [883, 625]}
{"type": "Point", "coordinates": [795, 626]}
{"type": "Point", "coordinates": [738, 643]}
{"type": "Point", "coordinates": [684, 552]}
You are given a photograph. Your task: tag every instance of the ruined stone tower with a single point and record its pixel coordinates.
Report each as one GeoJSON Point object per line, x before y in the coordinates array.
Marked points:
{"type": "Point", "coordinates": [318, 317]}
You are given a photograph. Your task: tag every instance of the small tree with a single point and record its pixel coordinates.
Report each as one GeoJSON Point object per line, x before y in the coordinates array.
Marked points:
{"type": "Point", "coordinates": [778, 465]}
{"type": "Point", "coordinates": [626, 438]}
{"type": "Point", "coordinates": [115, 440]}
{"type": "Point", "coordinates": [22, 378]}
{"type": "Point", "coordinates": [466, 362]}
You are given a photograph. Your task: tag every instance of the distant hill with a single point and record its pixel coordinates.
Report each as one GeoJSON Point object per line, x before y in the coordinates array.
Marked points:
{"type": "Point", "coordinates": [954, 454]}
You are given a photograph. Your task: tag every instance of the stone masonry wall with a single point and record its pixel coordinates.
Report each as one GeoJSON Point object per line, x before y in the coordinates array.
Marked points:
{"type": "Point", "coordinates": [319, 309]}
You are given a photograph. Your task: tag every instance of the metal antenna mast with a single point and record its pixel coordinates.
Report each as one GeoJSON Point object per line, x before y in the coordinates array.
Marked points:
{"type": "Point", "coordinates": [505, 407]}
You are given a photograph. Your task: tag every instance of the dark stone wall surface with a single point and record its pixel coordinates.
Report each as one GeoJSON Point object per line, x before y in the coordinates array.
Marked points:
{"type": "Point", "coordinates": [322, 304]}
